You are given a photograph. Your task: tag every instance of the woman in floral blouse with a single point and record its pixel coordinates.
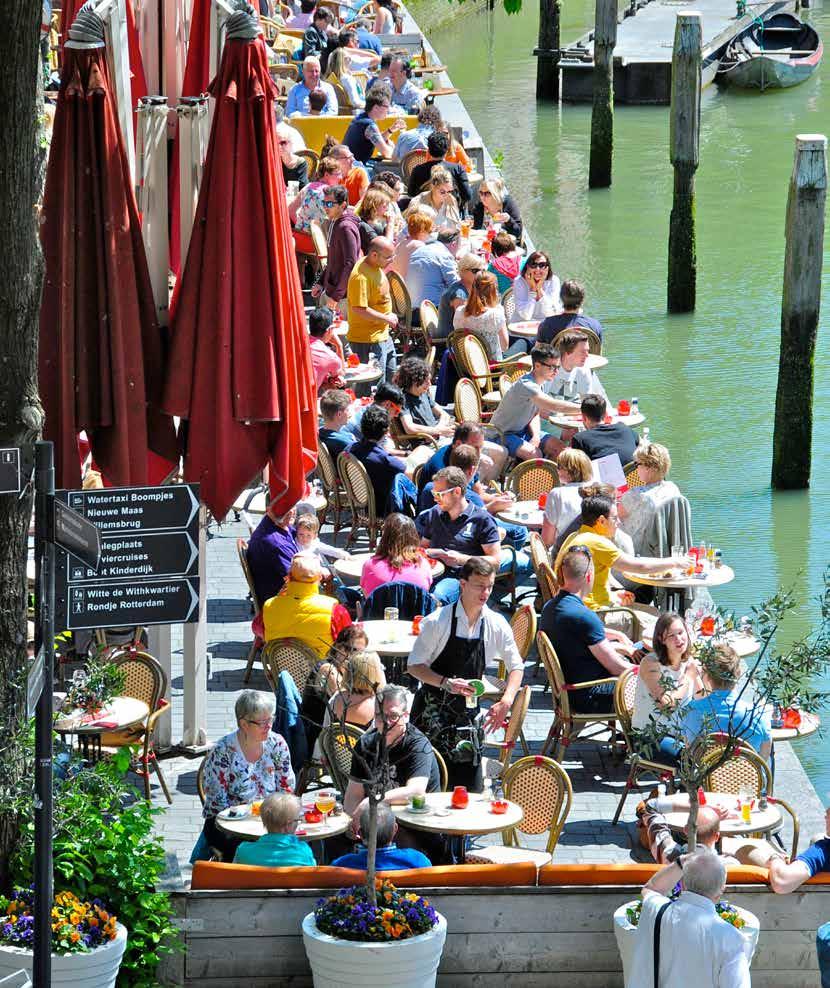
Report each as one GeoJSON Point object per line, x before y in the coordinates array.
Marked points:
{"type": "Point", "coordinates": [251, 763]}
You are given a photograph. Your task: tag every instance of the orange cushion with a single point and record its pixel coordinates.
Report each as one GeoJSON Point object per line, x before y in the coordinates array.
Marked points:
{"type": "Point", "coordinates": [822, 878]}
{"type": "Point", "coordinates": [465, 876]}
{"type": "Point", "coordinates": [221, 875]}
{"type": "Point", "coordinates": [630, 874]}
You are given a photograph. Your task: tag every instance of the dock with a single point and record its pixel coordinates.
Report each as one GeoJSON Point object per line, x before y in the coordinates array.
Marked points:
{"type": "Point", "coordinates": [643, 53]}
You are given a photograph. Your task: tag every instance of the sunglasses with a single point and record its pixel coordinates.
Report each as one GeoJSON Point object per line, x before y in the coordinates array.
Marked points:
{"type": "Point", "coordinates": [538, 264]}
{"type": "Point", "coordinates": [552, 366]}
{"type": "Point", "coordinates": [328, 203]}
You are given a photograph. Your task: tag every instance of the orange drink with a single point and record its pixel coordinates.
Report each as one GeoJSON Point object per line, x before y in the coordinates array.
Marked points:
{"type": "Point", "coordinates": [256, 806]}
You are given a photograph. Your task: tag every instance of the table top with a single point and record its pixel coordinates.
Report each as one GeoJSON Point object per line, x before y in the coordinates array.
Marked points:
{"type": "Point", "coordinates": [810, 723]}
{"type": "Point", "coordinates": [389, 637]}
{"type": "Point", "coordinates": [362, 374]}
{"type": "Point", "coordinates": [475, 819]}
{"type": "Point", "coordinates": [424, 69]}
{"type": "Point", "coordinates": [761, 821]}
{"type": "Point", "coordinates": [349, 570]}
{"type": "Point", "coordinates": [574, 421]}
{"type": "Point", "coordinates": [120, 712]}
{"type": "Point", "coordinates": [527, 513]}
{"type": "Point", "coordinates": [251, 827]}
{"type": "Point", "coordinates": [526, 330]}
{"type": "Point", "coordinates": [714, 578]}
{"type": "Point", "coordinates": [440, 91]}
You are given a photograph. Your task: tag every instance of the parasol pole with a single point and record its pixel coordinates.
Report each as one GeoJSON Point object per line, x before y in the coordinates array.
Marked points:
{"type": "Point", "coordinates": [148, 23]}
{"type": "Point", "coordinates": [176, 33]}
{"type": "Point", "coordinates": [151, 196]}
{"type": "Point", "coordinates": [192, 112]}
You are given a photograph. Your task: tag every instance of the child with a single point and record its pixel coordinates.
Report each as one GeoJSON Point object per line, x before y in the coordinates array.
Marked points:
{"type": "Point", "coordinates": [316, 102]}
{"type": "Point", "coordinates": [307, 529]}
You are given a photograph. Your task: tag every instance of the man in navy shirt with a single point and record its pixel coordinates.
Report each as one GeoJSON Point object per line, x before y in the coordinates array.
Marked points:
{"type": "Point", "coordinates": [572, 294]}
{"type": "Point", "coordinates": [388, 856]}
{"type": "Point", "coordinates": [334, 407]}
{"type": "Point", "coordinates": [580, 639]}
{"type": "Point", "coordinates": [598, 439]}
{"type": "Point", "coordinates": [455, 530]}
{"type": "Point", "coordinates": [394, 491]}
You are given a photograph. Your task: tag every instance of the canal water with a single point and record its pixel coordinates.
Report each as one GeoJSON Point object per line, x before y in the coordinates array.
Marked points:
{"type": "Point", "coordinates": [706, 381]}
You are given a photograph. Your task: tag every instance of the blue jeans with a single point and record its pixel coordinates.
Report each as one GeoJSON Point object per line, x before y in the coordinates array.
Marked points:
{"type": "Point", "coordinates": [447, 590]}
{"type": "Point", "coordinates": [403, 495]}
{"type": "Point", "coordinates": [385, 352]}
{"type": "Point", "coordinates": [668, 751]}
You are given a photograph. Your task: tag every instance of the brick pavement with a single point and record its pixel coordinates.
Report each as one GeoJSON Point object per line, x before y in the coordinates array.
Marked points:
{"type": "Point", "coordinates": [596, 776]}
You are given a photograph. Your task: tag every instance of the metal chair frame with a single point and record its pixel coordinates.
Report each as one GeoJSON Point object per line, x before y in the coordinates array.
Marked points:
{"type": "Point", "coordinates": [513, 730]}
{"type": "Point", "coordinates": [257, 643]}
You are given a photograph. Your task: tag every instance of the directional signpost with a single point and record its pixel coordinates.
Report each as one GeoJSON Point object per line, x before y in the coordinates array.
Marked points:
{"type": "Point", "coordinates": [149, 567]}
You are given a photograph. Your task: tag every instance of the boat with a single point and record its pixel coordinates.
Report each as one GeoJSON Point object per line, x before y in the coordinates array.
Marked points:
{"type": "Point", "coordinates": [776, 53]}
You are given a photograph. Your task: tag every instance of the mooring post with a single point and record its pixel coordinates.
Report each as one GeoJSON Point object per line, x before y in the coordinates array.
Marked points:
{"type": "Point", "coordinates": [602, 114]}
{"type": "Point", "coordinates": [684, 153]}
{"type": "Point", "coordinates": [800, 303]}
{"type": "Point", "coordinates": [547, 51]}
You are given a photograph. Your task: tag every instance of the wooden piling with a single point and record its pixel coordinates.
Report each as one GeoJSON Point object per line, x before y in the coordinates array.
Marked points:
{"type": "Point", "coordinates": [800, 303]}
{"type": "Point", "coordinates": [547, 51]}
{"type": "Point", "coordinates": [602, 113]}
{"type": "Point", "coordinates": [684, 154]}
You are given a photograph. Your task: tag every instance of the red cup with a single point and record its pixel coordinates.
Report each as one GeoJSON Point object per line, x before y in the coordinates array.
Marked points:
{"type": "Point", "coordinates": [607, 420]}
{"type": "Point", "coordinates": [353, 360]}
{"type": "Point", "coordinates": [707, 625]}
{"type": "Point", "coordinates": [416, 624]}
{"type": "Point", "coordinates": [698, 569]}
{"type": "Point", "coordinates": [460, 797]}
{"type": "Point", "coordinates": [499, 806]}
{"type": "Point", "coordinates": [313, 816]}
{"type": "Point", "coordinates": [543, 500]}
{"type": "Point", "coordinates": [624, 407]}
{"type": "Point", "coordinates": [791, 717]}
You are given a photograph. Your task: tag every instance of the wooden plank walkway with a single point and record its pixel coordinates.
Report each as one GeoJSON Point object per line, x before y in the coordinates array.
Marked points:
{"type": "Point", "coordinates": [642, 55]}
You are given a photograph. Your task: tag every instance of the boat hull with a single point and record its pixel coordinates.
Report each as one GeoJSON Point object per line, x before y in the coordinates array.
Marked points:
{"type": "Point", "coordinates": [772, 72]}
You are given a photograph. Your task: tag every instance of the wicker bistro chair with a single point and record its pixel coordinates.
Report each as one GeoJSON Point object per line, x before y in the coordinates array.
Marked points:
{"type": "Point", "coordinates": [443, 774]}
{"type": "Point", "coordinates": [290, 71]}
{"type": "Point", "coordinates": [639, 764]}
{"type": "Point", "coordinates": [337, 743]}
{"type": "Point", "coordinates": [429, 318]}
{"type": "Point", "coordinates": [361, 497]}
{"type": "Point", "coordinates": [632, 475]}
{"type": "Point", "coordinates": [543, 790]}
{"type": "Point", "coordinates": [409, 440]}
{"type": "Point", "coordinates": [145, 680]}
{"type": "Point", "coordinates": [313, 160]}
{"type": "Point", "coordinates": [467, 402]}
{"type": "Point", "coordinates": [567, 723]}
{"type": "Point", "coordinates": [539, 554]}
{"type": "Point", "coordinates": [200, 780]}
{"type": "Point", "coordinates": [288, 655]}
{"type": "Point", "coordinates": [510, 376]}
{"type": "Point", "coordinates": [532, 478]}
{"type": "Point", "coordinates": [472, 361]}
{"type": "Point", "coordinates": [548, 587]}
{"type": "Point", "coordinates": [321, 245]}
{"type": "Point", "coordinates": [513, 732]}
{"type": "Point", "coordinates": [332, 487]}
{"type": "Point", "coordinates": [402, 307]}
{"type": "Point", "coordinates": [411, 160]}
{"type": "Point", "coordinates": [594, 342]}
{"type": "Point", "coordinates": [508, 301]}
{"type": "Point", "coordinates": [256, 625]}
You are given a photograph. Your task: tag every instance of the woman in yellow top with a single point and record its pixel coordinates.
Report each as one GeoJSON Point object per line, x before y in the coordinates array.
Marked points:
{"type": "Point", "coordinates": [599, 526]}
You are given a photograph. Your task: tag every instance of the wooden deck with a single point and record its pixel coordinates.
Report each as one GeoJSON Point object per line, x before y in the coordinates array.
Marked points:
{"type": "Point", "coordinates": [642, 56]}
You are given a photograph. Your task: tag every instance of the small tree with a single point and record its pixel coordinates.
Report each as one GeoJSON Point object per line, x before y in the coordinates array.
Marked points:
{"type": "Point", "coordinates": [776, 679]}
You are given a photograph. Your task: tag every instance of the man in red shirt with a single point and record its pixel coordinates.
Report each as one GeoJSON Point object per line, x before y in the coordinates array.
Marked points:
{"type": "Point", "coordinates": [326, 350]}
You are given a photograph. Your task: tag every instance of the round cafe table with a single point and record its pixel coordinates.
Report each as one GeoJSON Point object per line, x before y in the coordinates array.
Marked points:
{"type": "Point", "coordinates": [475, 818]}
{"type": "Point", "coordinates": [810, 723]}
{"type": "Point", "coordinates": [761, 821]}
{"type": "Point", "coordinates": [524, 330]}
{"type": "Point", "coordinates": [362, 374]}
{"type": "Point", "coordinates": [120, 713]}
{"type": "Point", "coordinates": [675, 585]}
{"type": "Point", "coordinates": [566, 421]}
{"type": "Point", "coordinates": [527, 513]}
{"type": "Point", "coordinates": [349, 570]}
{"type": "Point", "coordinates": [251, 827]}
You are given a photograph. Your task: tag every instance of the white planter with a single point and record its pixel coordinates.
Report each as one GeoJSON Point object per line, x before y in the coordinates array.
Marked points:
{"type": "Point", "coordinates": [626, 933]}
{"type": "Point", "coordinates": [409, 963]}
{"type": "Point", "coordinates": [98, 968]}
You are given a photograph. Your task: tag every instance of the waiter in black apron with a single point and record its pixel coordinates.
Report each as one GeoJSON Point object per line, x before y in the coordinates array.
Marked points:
{"type": "Point", "coordinates": [454, 646]}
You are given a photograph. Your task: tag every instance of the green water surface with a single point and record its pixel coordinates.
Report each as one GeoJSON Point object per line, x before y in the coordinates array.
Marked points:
{"type": "Point", "coordinates": [706, 382]}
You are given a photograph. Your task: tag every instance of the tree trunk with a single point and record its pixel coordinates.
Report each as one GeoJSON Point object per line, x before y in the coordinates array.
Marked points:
{"type": "Point", "coordinates": [793, 437]}
{"type": "Point", "coordinates": [21, 414]}
{"type": "Point", "coordinates": [547, 65]}
{"type": "Point", "coordinates": [602, 113]}
{"type": "Point", "coordinates": [371, 847]}
{"type": "Point", "coordinates": [691, 827]}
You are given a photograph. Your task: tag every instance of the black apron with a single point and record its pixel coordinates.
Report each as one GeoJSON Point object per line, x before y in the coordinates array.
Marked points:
{"type": "Point", "coordinates": [445, 717]}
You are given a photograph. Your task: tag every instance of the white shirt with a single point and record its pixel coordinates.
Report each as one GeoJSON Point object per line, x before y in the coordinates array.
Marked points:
{"type": "Point", "coordinates": [435, 632]}
{"type": "Point", "coordinates": [696, 946]}
{"type": "Point", "coordinates": [576, 381]}
{"type": "Point", "coordinates": [563, 505]}
{"type": "Point", "coordinates": [528, 307]}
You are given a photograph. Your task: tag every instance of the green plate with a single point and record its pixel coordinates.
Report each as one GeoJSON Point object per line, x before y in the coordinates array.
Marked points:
{"type": "Point", "coordinates": [478, 686]}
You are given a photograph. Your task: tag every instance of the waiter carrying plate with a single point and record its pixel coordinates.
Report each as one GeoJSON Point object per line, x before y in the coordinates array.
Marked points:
{"type": "Point", "coordinates": [455, 644]}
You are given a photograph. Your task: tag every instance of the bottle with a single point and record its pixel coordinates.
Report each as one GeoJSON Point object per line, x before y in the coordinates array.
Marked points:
{"type": "Point", "coordinates": [762, 801]}
{"type": "Point", "coordinates": [635, 406]}
{"type": "Point", "coordinates": [645, 437]}
{"type": "Point", "coordinates": [718, 560]}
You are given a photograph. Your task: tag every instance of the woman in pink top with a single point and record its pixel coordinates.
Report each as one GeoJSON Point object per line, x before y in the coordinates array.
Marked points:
{"type": "Point", "coordinates": [398, 558]}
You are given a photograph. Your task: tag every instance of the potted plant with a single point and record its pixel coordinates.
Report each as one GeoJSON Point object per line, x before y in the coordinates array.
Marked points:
{"type": "Point", "coordinates": [397, 940]}
{"type": "Point", "coordinates": [627, 917]}
{"type": "Point", "coordinates": [92, 688]}
{"type": "Point", "coordinates": [87, 940]}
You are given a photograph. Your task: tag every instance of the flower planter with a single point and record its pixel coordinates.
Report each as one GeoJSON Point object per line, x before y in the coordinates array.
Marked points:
{"type": "Point", "coordinates": [625, 934]}
{"type": "Point", "coordinates": [409, 963]}
{"type": "Point", "coordinates": [98, 968]}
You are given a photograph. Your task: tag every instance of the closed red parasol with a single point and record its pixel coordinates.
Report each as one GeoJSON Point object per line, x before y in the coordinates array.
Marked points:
{"type": "Point", "coordinates": [240, 368]}
{"type": "Point", "coordinates": [101, 353]}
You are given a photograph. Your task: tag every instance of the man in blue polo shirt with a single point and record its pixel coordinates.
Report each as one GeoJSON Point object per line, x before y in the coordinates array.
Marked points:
{"type": "Point", "coordinates": [388, 856]}
{"type": "Point", "coordinates": [455, 530]}
{"type": "Point", "coordinates": [394, 491]}
{"type": "Point", "coordinates": [721, 710]}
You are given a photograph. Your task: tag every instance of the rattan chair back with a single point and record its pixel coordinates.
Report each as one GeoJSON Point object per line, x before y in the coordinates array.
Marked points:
{"type": "Point", "coordinates": [529, 480]}
{"type": "Point", "coordinates": [411, 160]}
{"type": "Point", "coordinates": [318, 238]}
{"type": "Point", "coordinates": [144, 677]}
{"type": "Point", "coordinates": [472, 358]}
{"type": "Point", "coordinates": [242, 553]}
{"type": "Point", "coordinates": [287, 71]}
{"type": "Point", "coordinates": [443, 774]}
{"type": "Point", "coordinates": [548, 587]}
{"type": "Point", "coordinates": [594, 342]}
{"type": "Point", "coordinates": [556, 678]}
{"type": "Point", "coordinates": [539, 555]}
{"type": "Point", "coordinates": [313, 160]}
{"type": "Point", "coordinates": [624, 693]}
{"type": "Point", "coordinates": [429, 319]}
{"type": "Point", "coordinates": [337, 743]}
{"type": "Point", "coordinates": [523, 626]}
{"type": "Point", "coordinates": [741, 768]}
{"type": "Point", "coordinates": [360, 495]}
{"type": "Point", "coordinates": [288, 655]}
{"type": "Point", "coordinates": [467, 403]}
{"type": "Point", "coordinates": [632, 475]}
{"type": "Point", "coordinates": [326, 470]}
{"type": "Point", "coordinates": [508, 301]}
{"type": "Point", "coordinates": [543, 790]}
{"type": "Point", "coordinates": [401, 302]}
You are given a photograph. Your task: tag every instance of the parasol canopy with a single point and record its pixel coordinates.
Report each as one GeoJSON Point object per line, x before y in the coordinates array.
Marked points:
{"type": "Point", "coordinates": [240, 368]}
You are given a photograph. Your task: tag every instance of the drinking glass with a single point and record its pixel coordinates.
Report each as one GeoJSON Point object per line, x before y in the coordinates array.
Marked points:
{"type": "Point", "coordinates": [678, 552]}
{"type": "Point", "coordinates": [324, 802]}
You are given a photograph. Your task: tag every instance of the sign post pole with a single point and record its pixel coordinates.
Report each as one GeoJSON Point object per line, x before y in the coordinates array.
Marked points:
{"type": "Point", "coordinates": [44, 653]}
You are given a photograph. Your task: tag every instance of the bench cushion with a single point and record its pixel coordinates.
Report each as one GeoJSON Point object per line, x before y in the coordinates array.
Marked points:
{"type": "Point", "coordinates": [631, 874]}
{"type": "Point", "coordinates": [465, 876]}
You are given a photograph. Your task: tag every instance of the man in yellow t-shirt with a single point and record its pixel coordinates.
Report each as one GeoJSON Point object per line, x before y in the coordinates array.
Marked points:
{"type": "Point", "coordinates": [370, 308]}
{"type": "Point", "coordinates": [599, 525]}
